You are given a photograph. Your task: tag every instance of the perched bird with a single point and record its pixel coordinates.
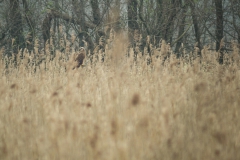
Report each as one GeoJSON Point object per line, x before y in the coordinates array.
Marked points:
{"type": "Point", "coordinates": [79, 57]}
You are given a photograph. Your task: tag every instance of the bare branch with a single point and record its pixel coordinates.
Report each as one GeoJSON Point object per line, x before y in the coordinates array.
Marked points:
{"type": "Point", "coordinates": [67, 18]}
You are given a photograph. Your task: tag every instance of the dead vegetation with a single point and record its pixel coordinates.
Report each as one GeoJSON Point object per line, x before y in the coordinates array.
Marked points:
{"type": "Point", "coordinates": [122, 108]}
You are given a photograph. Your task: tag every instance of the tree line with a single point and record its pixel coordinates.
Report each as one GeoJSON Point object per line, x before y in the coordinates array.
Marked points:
{"type": "Point", "coordinates": [181, 23]}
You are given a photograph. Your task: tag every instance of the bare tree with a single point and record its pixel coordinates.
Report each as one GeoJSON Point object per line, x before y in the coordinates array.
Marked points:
{"type": "Point", "coordinates": [95, 12]}
{"type": "Point", "coordinates": [132, 19]}
{"type": "Point", "coordinates": [181, 29]}
{"type": "Point", "coordinates": [235, 10]}
{"type": "Point", "coordinates": [79, 10]}
{"type": "Point", "coordinates": [16, 26]}
{"type": "Point", "coordinates": [31, 33]}
{"type": "Point", "coordinates": [196, 25]}
{"type": "Point", "coordinates": [219, 28]}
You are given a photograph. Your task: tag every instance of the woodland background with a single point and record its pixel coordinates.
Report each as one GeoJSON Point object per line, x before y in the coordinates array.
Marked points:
{"type": "Point", "coordinates": [181, 23]}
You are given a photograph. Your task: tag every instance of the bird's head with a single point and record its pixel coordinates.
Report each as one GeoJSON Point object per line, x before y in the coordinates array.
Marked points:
{"type": "Point", "coordinates": [82, 49]}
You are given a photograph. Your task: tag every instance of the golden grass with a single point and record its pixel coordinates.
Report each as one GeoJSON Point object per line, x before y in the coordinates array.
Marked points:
{"type": "Point", "coordinates": [123, 110]}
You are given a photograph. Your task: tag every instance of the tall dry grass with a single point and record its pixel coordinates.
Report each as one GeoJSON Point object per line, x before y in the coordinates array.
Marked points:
{"type": "Point", "coordinates": [120, 109]}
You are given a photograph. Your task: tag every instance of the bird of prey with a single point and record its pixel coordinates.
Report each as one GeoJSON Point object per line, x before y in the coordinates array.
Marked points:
{"type": "Point", "coordinates": [79, 57]}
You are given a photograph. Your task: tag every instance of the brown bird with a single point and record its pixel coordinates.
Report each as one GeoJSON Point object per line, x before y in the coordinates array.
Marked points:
{"type": "Point", "coordinates": [79, 57]}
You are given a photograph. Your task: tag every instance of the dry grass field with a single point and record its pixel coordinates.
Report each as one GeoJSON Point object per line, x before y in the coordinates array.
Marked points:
{"type": "Point", "coordinates": [120, 110]}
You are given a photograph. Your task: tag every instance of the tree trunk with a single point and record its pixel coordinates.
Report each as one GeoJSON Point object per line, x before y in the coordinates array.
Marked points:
{"type": "Point", "coordinates": [78, 8]}
{"type": "Point", "coordinates": [181, 30]}
{"type": "Point", "coordinates": [159, 20]}
{"type": "Point", "coordinates": [219, 28]}
{"type": "Point", "coordinates": [132, 20]}
{"type": "Point", "coordinates": [167, 34]}
{"type": "Point", "coordinates": [46, 26]}
{"type": "Point", "coordinates": [196, 26]}
{"type": "Point", "coordinates": [95, 12]}
{"type": "Point", "coordinates": [28, 17]}
{"type": "Point", "coordinates": [16, 26]}
{"type": "Point", "coordinates": [236, 16]}
{"type": "Point", "coordinates": [117, 17]}
{"type": "Point", "coordinates": [96, 16]}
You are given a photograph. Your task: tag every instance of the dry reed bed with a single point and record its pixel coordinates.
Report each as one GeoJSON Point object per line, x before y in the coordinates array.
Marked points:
{"type": "Point", "coordinates": [121, 111]}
